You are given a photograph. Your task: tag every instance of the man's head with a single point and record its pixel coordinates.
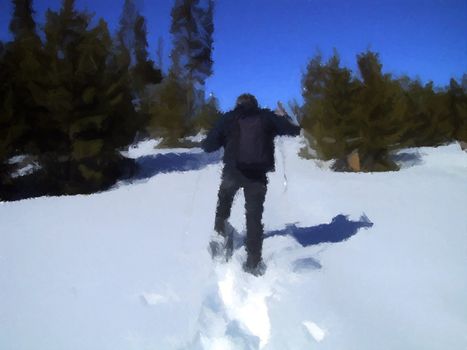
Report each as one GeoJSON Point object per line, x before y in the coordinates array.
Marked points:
{"type": "Point", "coordinates": [247, 102]}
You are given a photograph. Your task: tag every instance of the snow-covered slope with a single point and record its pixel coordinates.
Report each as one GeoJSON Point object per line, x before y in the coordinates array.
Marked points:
{"type": "Point", "coordinates": [129, 268]}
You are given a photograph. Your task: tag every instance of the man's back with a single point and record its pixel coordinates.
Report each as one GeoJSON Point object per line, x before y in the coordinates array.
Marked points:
{"type": "Point", "coordinates": [236, 130]}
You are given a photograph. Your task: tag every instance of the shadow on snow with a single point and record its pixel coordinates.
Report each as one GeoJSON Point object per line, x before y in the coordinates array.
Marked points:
{"type": "Point", "coordinates": [408, 158]}
{"type": "Point", "coordinates": [149, 166]}
{"type": "Point", "coordinates": [339, 230]}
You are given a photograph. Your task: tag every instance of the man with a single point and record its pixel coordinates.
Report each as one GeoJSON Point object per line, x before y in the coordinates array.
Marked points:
{"type": "Point", "coordinates": [247, 135]}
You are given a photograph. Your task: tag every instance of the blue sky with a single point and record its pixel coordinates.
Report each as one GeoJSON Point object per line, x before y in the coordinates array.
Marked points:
{"type": "Point", "coordinates": [263, 46]}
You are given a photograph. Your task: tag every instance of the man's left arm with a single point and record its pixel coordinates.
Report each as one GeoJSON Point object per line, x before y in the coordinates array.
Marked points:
{"type": "Point", "coordinates": [283, 122]}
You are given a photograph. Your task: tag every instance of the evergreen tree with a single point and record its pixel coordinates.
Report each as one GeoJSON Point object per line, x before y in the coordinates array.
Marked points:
{"type": "Point", "coordinates": [64, 32]}
{"type": "Point", "coordinates": [457, 104]}
{"type": "Point", "coordinates": [204, 60]}
{"type": "Point", "coordinates": [22, 25]}
{"type": "Point", "coordinates": [132, 37]}
{"type": "Point", "coordinates": [160, 53]}
{"type": "Point", "coordinates": [192, 30]}
{"type": "Point", "coordinates": [173, 106]}
{"type": "Point", "coordinates": [126, 31]}
{"type": "Point", "coordinates": [88, 99]}
{"type": "Point", "coordinates": [427, 121]}
{"type": "Point", "coordinates": [207, 115]}
{"type": "Point", "coordinates": [144, 71]}
{"type": "Point", "coordinates": [100, 124]}
{"type": "Point", "coordinates": [166, 106]}
{"type": "Point", "coordinates": [382, 109]}
{"type": "Point", "coordinates": [23, 63]}
{"type": "Point", "coordinates": [329, 111]}
{"type": "Point", "coordinates": [6, 117]}
{"type": "Point", "coordinates": [21, 74]}
{"type": "Point", "coordinates": [461, 132]}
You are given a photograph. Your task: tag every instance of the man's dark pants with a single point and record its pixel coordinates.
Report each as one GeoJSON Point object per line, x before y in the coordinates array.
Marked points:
{"type": "Point", "coordinates": [254, 186]}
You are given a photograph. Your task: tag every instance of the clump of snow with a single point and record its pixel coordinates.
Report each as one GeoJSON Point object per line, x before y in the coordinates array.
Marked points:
{"type": "Point", "coordinates": [26, 170]}
{"type": "Point", "coordinates": [149, 148]}
{"type": "Point", "coordinates": [198, 137]}
{"type": "Point", "coordinates": [315, 331]}
{"type": "Point", "coordinates": [142, 148]}
{"type": "Point", "coordinates": [17, 159]}
{"type": "Point", "coordinates": [25, 165]}
{"type": "Point", "coordinates": [153, 298]}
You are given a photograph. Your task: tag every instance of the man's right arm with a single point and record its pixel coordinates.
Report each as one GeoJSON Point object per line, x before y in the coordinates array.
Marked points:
{"type": "Point", "coordinates": [215, 137]}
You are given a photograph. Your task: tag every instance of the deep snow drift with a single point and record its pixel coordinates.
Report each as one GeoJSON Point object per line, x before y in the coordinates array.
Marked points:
{"type": "Point", "coordinates": [355, 261]}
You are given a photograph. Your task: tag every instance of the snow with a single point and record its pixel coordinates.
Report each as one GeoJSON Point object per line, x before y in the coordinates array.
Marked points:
{"type": "Point", "coordinates": [26, 170]}
{"type": "Point", "coordinates": [17, 159]}
{"type": "Point", "coordinates": [25, 165]}
{"type": "Point", "coordinates": [198, 137]}
{"type": "Point", "coordinates": [142, 148]}
{"type": "Point", "coordinates": [129, 268]}
{"type": "Point", "coordinates": [148, 147]}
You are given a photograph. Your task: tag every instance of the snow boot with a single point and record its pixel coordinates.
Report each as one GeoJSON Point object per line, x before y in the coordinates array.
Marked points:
{"type": "Point", "coordinates": [221, 246]}
{"type": "Point", "coordinates": [217, 246]}
{"type": "Point", "coordinates": [255, 269]}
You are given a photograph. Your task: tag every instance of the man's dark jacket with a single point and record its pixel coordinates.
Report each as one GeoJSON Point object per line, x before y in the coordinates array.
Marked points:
{"type": "Point", "coordinates": [224, 133]}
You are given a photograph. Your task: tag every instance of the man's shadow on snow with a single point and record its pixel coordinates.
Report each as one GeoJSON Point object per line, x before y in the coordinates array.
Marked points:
{"type": "Point", "coordinates": [338, 230]}
{"type": "Point", "coordinates": [149, 166]}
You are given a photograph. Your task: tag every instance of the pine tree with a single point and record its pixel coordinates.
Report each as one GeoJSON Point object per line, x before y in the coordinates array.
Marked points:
{"type": "Point", "coordinates": [6, 117]}
{"type": "Point", "coordinates": [132, 45]}
{"type": "Point", "coordinates": [461, 132]}
{"type": "Point", "coordinates": [64, 32]}
{"type": "Point", "coordinates": [207, 115]}
{"type": "Point", "coordinates": [132, 37]}
{"type": "Point", "coordinates": [204, 59]}
{"type": "Point", "coordinates": [329, 111]}
{"type": "Point", "coordinates": [144, 71]}
{"type": "Point", "coordinates": [166, 106]}
{"type": "Point", "coordinates": [380, 121]}
{"type": "Point", "coordinates": [173, 106]}
{"type": "Point", "coordinates": [427, 121]}
{"type": "Point", "coordinates": [192, 30]}
{"type": "Point", "coordinates": [99, 127]}
{"type": "Point", "coordinates": [22, 25]}
{"type": "Point", "coordinates": [89, 101]}
{"type": "Point", "coordinates": [126, 31]}
{"type": "Point", "coordinates": [24, 63]}
{"type": "Point", "coordinates": [21, 74]}
{"type": "Point", "coordinates": [457, 102]}
{"type": "Point", "coordinates": [160, 53]}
